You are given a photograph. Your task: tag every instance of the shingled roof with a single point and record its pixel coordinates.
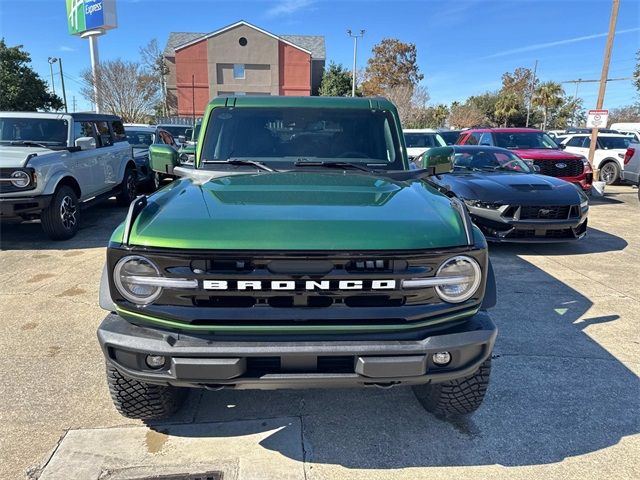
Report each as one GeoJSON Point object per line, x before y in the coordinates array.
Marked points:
{"type": "Point", "coordinates": [310, 43]}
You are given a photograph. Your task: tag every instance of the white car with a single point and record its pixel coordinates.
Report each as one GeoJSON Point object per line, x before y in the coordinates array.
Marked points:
{"type": "Point", "coordinates": [53, 164]}
{"type": "Point", "coordinates": [608, 156]}
{"type": "Point", "coordinates": [419, 140]}
{"type": "Point", "coordinates": [631, 129]}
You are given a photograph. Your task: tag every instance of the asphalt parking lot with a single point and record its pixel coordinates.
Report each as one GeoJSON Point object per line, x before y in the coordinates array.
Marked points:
{"type": "Point", "coordinates": [563, 401]}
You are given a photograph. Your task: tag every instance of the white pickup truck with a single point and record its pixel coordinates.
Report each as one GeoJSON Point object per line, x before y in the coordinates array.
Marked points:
{"type": "Point", "coordinates": [53, 164]}
{"type": "Point", "coordinates": [631, 172]}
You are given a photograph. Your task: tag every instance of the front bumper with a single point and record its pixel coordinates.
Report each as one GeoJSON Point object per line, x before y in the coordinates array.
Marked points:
{"type": "Point", "coordinates": [14, 207]}
{"type": "Point", "coordinates": [209, 362]}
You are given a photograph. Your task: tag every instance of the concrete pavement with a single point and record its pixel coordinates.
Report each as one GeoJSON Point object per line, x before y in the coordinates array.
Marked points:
{"type": "Point", "coordinates": [563, 400]}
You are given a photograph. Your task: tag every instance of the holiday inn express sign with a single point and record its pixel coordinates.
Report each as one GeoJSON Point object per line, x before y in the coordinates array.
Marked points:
{"type": "Point", "coordinates": [84, 15]}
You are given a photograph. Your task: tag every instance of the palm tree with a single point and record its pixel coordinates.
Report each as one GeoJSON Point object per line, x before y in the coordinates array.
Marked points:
{"type": "Point", "coordinates": [547, 96]}
{"type": "Point", "coordinates": [440, 114]}
{"type": "Point", "coordinates": [507, 106]}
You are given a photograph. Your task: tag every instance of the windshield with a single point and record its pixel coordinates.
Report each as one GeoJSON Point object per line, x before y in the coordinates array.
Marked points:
{"type": "Point", "coordinates": [524, 140]}
{"type": "Point", "coordinates": [139, 138]}
{"type": "Point", "coordinates": [47, 131]}
{"type": "Point", "coordinates": [488, 160]}
{"type": "Point", "coordinates": [450, 137]}
{"type": "Point", "coordinates": [609, 143]}
{"type": "Point", "coordinates": [278, 136]}
{"type": "Point", "coordinates": [176, 130]}
{"type": "Point", "coordinates": [424, 140]}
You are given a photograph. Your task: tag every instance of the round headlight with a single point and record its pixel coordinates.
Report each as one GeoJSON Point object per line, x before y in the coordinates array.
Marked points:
{"type": "Point", "coordinates": [125, 274]}
{"type": "Point", "coordinates": [467, 271]}
{"type": "Point", "coordinates": [20, 179]}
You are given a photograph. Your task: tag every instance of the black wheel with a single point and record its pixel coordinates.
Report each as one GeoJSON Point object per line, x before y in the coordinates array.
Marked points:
{"type": "Point", "coordinates": [610, 173]}
{"type": "Point", "coordinates": [144, 401]}
{"type": "Point", "coordinates": [128, 188]}
{"type": "Point", "coordinates": [153, 183]}
{"type": "Point", "coordinates": [61, 219]}
{"type": "Point", "coordinates": [455, 397]}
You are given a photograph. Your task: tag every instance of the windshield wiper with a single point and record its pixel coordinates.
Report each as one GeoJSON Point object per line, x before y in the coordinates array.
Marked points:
{"type": "Point", "coordinates": [30, 143]}
{"type": "Point", "coordinates": [239, 162]}
{"type": "Point", "coordinates": [342, 165]}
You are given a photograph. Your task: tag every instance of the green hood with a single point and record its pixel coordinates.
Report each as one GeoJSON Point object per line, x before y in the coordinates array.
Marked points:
{"type": "Point", "coordinates": [298, 211]}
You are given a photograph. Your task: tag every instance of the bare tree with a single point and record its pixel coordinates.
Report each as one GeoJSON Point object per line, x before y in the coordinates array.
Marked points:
{"type": "Point", "coordinates": [125, 88]}
{"type": "Point", "coordinates": [465, 116]}
{"type": "Point", "coordinates": [409, 100]}
{"type": "Point", "coordinates": [156, 66]}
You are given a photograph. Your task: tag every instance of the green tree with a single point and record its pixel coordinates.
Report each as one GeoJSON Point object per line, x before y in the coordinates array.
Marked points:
{"type": "Point", "coordinates": [547, 96]}
{"type": "Point", "coordinates": [439, 115]}
{"type": "Point", "coordinates": [393, 64]}
{"type": "Point", "coordinates": [336, 81]}
{"type": "Point", "coordinates": [486, 104]}
{"type": "Point", "coordinates": [570, 113]}
{"type": "Point", "coordinates": [507, 106]}
{"type": "Point", "coordinates": [20, 87]}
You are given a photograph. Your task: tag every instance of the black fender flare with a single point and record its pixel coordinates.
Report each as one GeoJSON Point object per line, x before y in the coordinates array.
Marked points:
{"type": "Point", "coordinates": [490, 292]}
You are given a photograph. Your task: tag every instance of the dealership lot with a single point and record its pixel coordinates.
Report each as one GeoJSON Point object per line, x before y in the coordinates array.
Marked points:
{"type": "Point", "coordinates": [563, 400]}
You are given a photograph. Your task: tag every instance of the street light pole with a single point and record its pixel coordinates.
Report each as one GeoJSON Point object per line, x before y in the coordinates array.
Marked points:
{"type": "Point", "coordinates": [64, 92]}
{"type": "Point", "coordinates": [603, 81]}
{"type": "Point", "coordinates": [51, 61]}
{"type": "Point", "coordinates": [355, 53]}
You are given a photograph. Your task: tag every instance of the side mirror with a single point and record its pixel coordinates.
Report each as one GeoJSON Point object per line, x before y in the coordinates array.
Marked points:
{"type": "Point", "coordinates": [562, 146]}
{"type": "Point", "coordinates": [86, 143]}
{"type": "Point", "coordinates": [182, 138]}
{"type": "Point", "coordinates": [163, 158]}
{"type": "Point", "coordinates": [438, 160]}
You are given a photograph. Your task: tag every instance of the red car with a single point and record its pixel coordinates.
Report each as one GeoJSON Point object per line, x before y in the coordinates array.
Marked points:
{"type": "Point", "coordinates": [536, 147]}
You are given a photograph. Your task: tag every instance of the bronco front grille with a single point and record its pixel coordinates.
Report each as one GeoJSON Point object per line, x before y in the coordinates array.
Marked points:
{"type": "Point", "coordinates": [560, 168]}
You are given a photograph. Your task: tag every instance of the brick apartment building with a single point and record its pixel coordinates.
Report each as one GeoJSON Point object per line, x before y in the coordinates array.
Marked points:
{"type": "Point", "coordinates": [239, 59]}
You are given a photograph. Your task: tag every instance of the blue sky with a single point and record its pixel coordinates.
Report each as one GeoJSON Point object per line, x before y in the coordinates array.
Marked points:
{"type": "Point", "coordinates": [463, 46]}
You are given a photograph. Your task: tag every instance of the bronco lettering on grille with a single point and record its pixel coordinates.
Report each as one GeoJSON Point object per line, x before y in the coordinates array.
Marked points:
{"type": "Point", "coordinates": [308, 285]}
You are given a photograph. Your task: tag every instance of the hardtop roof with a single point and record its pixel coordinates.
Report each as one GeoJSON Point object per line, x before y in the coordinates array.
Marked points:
{"type": "Point", "coordinates": [302, 102]}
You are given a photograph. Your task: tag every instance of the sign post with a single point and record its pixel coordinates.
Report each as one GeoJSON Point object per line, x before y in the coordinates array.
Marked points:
{"type": "Point", "coordinates": [90, 19]}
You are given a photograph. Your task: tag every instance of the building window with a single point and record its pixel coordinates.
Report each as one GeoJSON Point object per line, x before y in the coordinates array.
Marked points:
{"type": "Point", "coordinates": [242, 42]}
{"type": "Point", "coordinates": [238, 71]}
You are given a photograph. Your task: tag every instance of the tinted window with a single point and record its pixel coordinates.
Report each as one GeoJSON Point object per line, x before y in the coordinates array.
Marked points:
{"type": "Point", "coordinates": [609, 143]}
{"type": "Point", "coordinates": [166, 138]}
{"type": "Point", "coordinates": [176, 130]}
{"type": "Point", "coordinates": [485, 139]}
{"type": "Point", "coordinates": [41, 130]}
{"type": "Point", "coordinates": [289, 134]}
{"type": "Point", "coordinates": [524, 140]}
{"type": "Point", "coordinates": [575, 142]}
{"type": "Point", "coordinates": [423, 140]}
{"type": "Point", "coordinates": [473, 139]}
{"type": "Point", "coordinates": [84, 129]}
{"type": "Point", "coordinates": [487, 160]}
{"type": "Point", "coordinates": [139, 138]}
{"type": "Point", "coordinates": [451, 137]}
{"type": "Point", "coordinates": [104, 134]}
{"type": "Point", "coordinates": [119, 134]}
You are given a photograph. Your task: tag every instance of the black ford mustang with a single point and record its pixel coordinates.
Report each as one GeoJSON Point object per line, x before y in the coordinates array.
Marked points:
{"type": "Point", "coordinates": [509, 202]}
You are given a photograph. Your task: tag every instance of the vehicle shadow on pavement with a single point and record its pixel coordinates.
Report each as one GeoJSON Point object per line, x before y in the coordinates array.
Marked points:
{"type": "Point", "coordinates": [97, 224]}
{"type": "Point", "coordinates": [555, 393]}
{"type": "Point", "coordinates": [596, 241]}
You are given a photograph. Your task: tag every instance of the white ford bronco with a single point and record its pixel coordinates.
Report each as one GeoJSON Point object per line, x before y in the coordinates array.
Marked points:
{"type": "Point", "coordinates": [54, 164]}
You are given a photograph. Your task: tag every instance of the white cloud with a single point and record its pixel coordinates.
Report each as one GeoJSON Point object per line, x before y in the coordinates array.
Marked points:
{"type": "Point", "coordinates": [287, 7]}
{"type": "Point", "coordinates": [539, 46]}
{"type": "Point", "coordinates": [64, 48]}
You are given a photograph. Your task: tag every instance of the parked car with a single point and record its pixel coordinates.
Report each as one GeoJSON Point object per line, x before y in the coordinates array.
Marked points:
{"type": "Point", "coordinates": [301, 252]}
{"type": "Point", "coordinates": [555, 133]}
{"type": "Point", "coordinates": [419, 140]}
{"type": "Point", "coordinates": [54, 164]}
{"type": "Point", "coordinates": [141, 138]}
{"type": "Point", "coordinates": [509, 202]}
{"type": "Point", "coordinates": [188, 150]}
{"type": "Point", "coordinates": [449, 136]}
{"type": "Point", "coordinates": [631, 172]}
{"type": "Point", "coordinates": [631, 129]}
{"type": "Point", "coordinates": [608, 156]}
{"type": "Point", "coordinates": [537, 148]}
{"type": "Point", "coordinates": [180, 133]}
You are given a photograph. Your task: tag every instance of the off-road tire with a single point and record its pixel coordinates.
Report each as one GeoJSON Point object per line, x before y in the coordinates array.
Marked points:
{"type": "Point", "coordinates": [128, 188]}
{"type": "Point", "coordinates": [153, 183]}
{"type": "Point", "coordinates": [612, 172]}
{"type": "Point", "coordinates": [61, 219]}
{"type": "Point", "coordinates": [455, 397]}
{"type": "Point", "coordinates": [143, 401]}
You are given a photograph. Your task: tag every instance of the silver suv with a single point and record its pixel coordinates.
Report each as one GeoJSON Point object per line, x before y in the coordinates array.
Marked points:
{"type": "Point", "coordinates": [53, 164]}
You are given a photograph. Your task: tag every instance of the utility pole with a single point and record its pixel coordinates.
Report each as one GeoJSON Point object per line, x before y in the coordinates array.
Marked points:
{"type": "Point", "coordinates": [355, 53]}
{"type": "Point", "coordinates": [603, 80]}
{"type": "Point", "coordinates": [533, 86]}
{"type": "Point", "coordinates": [51, 61]}
{"type": "Point", "coordinates": [580, 80]}
{"type": "Point", "coordinates": [64, 92]}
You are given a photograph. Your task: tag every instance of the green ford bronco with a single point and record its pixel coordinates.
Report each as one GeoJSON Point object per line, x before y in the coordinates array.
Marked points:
{"type": "Point", "coordinates": [299, 251]}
